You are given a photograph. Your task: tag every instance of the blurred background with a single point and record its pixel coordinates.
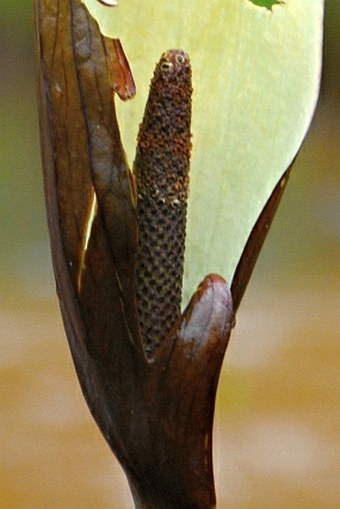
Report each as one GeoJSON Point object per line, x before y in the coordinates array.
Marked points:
{"type": "Point", "coordinates": [277, 430]}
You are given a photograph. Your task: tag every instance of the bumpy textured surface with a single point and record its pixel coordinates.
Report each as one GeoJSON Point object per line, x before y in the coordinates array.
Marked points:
{"type": "Point", "coordinates": [161, 170]}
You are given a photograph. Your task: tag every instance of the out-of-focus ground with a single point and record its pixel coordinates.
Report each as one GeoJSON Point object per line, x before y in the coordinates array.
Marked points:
{"type": "Point", "coordinates": [277, 431]}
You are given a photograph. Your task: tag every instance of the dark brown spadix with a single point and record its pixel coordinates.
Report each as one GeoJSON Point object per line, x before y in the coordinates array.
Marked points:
{"type": "Point", "coordinates": [161, 169]}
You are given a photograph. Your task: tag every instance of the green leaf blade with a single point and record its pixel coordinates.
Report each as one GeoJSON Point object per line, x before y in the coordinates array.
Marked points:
{"type": "Point", "coordinates": [256, 76]}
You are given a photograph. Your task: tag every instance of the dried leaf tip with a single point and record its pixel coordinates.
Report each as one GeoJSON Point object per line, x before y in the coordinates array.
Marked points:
{"type": "Point", "coordinates": [120, 73]}
{"type": "Point", "coordinates": [109, 3]}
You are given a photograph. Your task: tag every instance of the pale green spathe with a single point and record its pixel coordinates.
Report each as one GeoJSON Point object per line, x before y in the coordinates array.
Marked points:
{"type": "Point", "coordinates": [255, 76]}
